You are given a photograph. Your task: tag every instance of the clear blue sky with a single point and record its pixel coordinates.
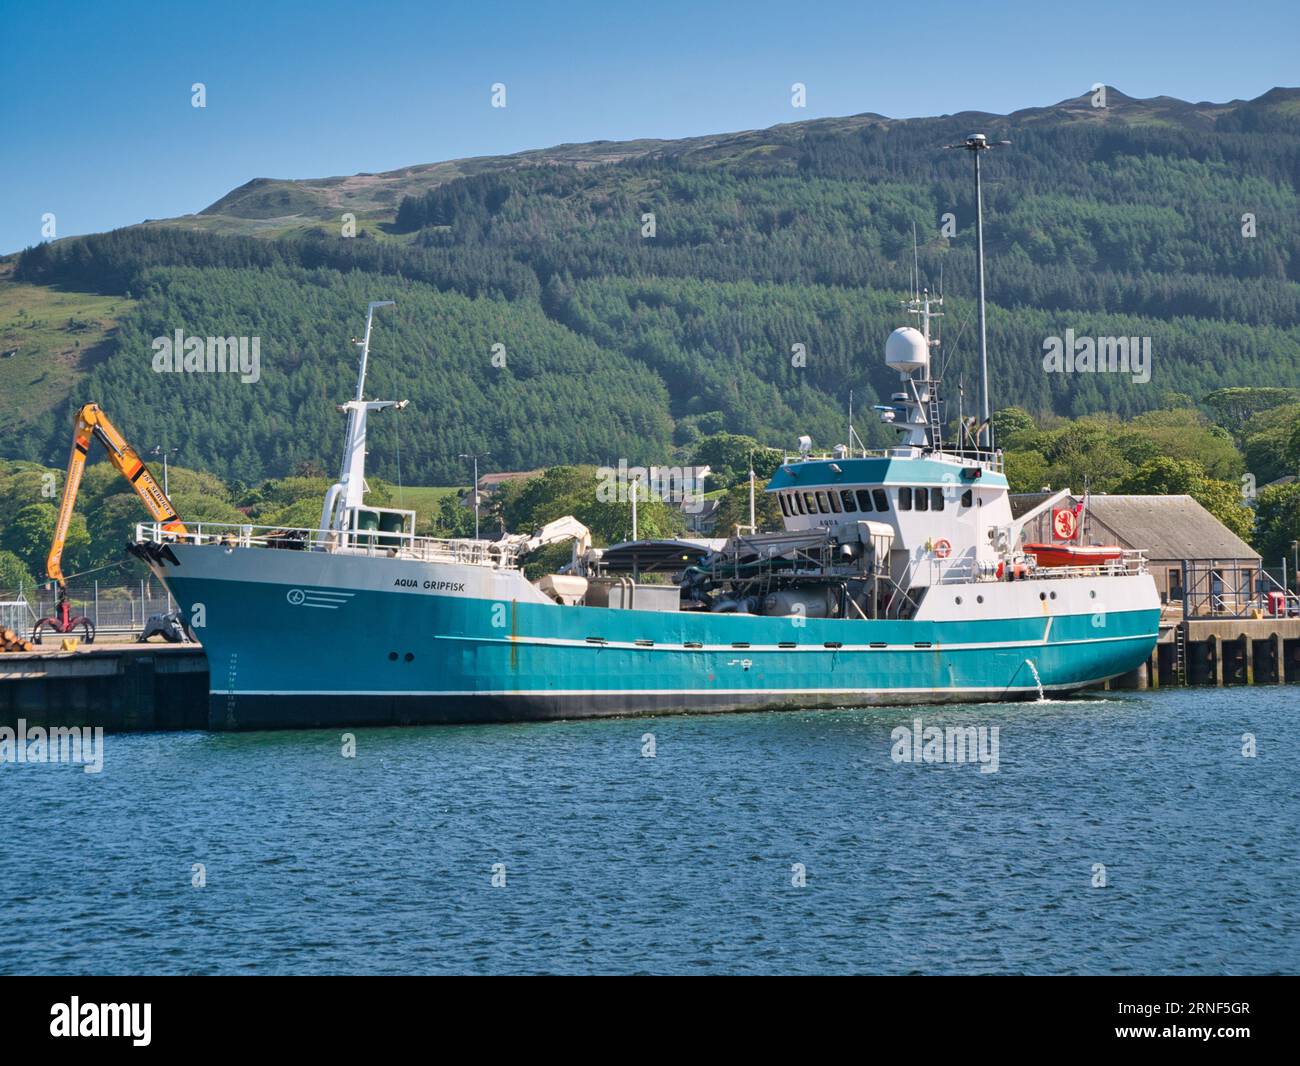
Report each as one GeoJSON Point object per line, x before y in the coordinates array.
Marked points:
{"type": "Point", "coordinates": [97, 125]}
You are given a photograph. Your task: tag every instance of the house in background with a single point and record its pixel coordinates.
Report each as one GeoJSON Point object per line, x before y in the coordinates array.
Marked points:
{"type": "Point", "coordinates": [1179, 537]}
{"type": "Point", "coordinates": [490, 484]}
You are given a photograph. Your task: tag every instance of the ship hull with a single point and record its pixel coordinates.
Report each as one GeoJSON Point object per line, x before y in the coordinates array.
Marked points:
{"type": "Point", "coordinates": [302, 639]}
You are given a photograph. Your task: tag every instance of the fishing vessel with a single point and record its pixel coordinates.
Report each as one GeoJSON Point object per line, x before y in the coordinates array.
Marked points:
{"type": "Point", "coordinates": [900, 577]}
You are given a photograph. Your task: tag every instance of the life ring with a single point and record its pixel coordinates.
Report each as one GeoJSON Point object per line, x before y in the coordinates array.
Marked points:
{"type": "Point", "coordinates": [942, 548]}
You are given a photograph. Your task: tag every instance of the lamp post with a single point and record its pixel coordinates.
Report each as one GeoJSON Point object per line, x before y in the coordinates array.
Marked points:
{"type": "Point", "coordinates": [976, 144]}
{"type": "Point", "coordinates": [636, 493]}
{"type": "Point", "coordinates": [164, 451]}
{"type": "Point", "coordinates": [475, 456]}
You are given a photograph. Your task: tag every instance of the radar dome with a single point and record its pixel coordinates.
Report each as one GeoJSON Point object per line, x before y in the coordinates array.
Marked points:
{"type": "Point", "coordinates": [906, 350]}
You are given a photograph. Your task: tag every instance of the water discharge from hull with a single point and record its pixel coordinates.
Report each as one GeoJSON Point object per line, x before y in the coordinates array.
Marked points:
{"type": "Point", "coordinates": [1037, 680]}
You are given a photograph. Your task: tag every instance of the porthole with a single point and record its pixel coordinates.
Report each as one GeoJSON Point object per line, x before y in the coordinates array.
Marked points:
{"type": "Point", "coordinates": [1053, 595]}
{"type": "Point", "coordinates": [410, 656]}
{"type": "Point", "coordinates": [959, 601]}
{"type": "Point", "coordinates": [1092, 594]}
{"type": "Point", "coordinates": [1042, 595]}
{"type": "Point", "coordinates": [979, 599]}
{"type": "Point", "coordinates": [392, 656]}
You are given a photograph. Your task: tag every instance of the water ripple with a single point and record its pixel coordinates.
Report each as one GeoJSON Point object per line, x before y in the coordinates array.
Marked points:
{"type": "Point", "coordinates": [686, 862]}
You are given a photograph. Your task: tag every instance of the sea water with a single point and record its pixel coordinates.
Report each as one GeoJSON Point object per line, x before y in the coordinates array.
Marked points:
{"type": "Point", "coordinates": [1117, 833]}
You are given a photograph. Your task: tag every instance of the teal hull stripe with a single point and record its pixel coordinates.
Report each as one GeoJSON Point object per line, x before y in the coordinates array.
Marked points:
{"type": "Point", "coordinates": [803, 648]}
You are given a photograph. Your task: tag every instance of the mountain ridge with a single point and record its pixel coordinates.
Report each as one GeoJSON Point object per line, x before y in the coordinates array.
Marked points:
{"type": "Point", "coordinates": [250, 208]}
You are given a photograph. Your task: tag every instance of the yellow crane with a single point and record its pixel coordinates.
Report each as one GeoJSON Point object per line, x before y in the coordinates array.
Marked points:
{"type": "Point", "coordinates": [92, 422]}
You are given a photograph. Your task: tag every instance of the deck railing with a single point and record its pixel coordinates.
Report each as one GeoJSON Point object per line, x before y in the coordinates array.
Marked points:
{"type": "Point", "coordinates": [964, 571]}
{"type": "Point", "coordinates": [373, 543]}
{"type": "Point", "coordinates": [990, 461]}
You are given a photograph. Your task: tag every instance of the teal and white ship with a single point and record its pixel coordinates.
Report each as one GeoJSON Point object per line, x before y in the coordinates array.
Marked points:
{"type": "Point", "coordinates": [900, 578]}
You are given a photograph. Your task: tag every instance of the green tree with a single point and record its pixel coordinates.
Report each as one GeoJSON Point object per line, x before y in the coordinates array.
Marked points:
{"type": "Point", "coordinates": [1291, 457]}
{"type": "Point", "coordinates": [729, 455]}
{"type": "Point", "coordinates": [1186, 434]}
{"type": "Point", "coordinates": [31, 532]}
{"type": "Point", "coordinates": [1085, 453]}
{"type": "Point", "coordinates": [1164, 476]}
{"type": "Point", "coordinates": [14, 574]}
{"type": "Point", "coordinates": [733, 510]}
{"type": "Point", "coordinates": [1009, 422]}
{"type": "Point", "coordinates": [1027, 471]}
{"type": "Point", "coordinates": [454, 519]}
{"type": "Point", "coordinates": [1278, 522]}
{"type": "Point", "coordinates": [1270, 446]}
{"type": "Point", "coordinates": [1235, 407]}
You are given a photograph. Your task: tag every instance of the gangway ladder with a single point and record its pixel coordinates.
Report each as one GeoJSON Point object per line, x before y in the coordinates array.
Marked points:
{"type": "Point", "coordinates": [1180, 652]}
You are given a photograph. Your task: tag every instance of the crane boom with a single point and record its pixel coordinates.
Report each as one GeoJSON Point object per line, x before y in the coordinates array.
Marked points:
{"type": "Point", "coordinates": [91, 421]}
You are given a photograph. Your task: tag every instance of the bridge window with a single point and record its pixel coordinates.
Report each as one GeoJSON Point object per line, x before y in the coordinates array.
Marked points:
{"type": "Point", "coordinates": [822, 505]}
{"type": "Point", "coordinates": [936, 499]}
{"type": "Point", "coordinates": [835, 501]}
{"type": "Point", "coordinates": [864, 499]}
{"type": "Point", "coordinates": [922, 500]}
{"type": "Point", "coordinates": [809, 503]}
{"type": "Point", "coordinates": [882, 500]}
{"type": "Point", "coordinates": [905, 499]}
{"type": "Point", "coordinates": [785, 504]}
{"type": "Point", "coordinates": [797, 501]}
{"type": "Point", "coordinates": [847, 496]}
{"type": "Point", "coordinates": [968, 497]}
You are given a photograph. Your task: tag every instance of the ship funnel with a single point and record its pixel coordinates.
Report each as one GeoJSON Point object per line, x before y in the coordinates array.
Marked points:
{"type": "Point", "coordinates": [907, 350]}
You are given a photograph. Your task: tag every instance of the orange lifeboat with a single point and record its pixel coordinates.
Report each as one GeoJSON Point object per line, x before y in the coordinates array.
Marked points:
{"type": "Point", "coordinates": [1074, 554]}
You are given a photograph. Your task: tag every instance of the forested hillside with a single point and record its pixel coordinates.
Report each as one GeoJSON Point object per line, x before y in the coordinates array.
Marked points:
{"type": "Point", "coordinates": [556, 308]}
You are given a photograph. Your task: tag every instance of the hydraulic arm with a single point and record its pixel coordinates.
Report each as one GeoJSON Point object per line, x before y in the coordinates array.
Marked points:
{"type": "Point", "coordinates": [91, 421]}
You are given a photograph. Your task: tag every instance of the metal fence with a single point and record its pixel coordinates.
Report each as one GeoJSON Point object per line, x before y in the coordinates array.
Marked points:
{"type": "Point", "coordinates": [1231, 589]}
{"type": "Point", "coordinates": [111, 608]}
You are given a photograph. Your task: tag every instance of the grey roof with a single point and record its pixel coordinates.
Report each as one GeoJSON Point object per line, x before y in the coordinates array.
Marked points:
{"type": "Point", "coordinates": [1165, 527]}
{"type": "Point", "coordinates": [1169, 527]}
{"type": "Point", "coordinates": [1025, 501]}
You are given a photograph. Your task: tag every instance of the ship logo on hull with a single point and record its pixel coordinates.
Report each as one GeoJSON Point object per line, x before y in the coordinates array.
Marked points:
{"type": "Point", "coordinates": [318, 598]}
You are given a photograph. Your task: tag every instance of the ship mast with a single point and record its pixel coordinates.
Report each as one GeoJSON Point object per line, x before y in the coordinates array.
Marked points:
{"type": "Point", "coordinates": [348, 493]}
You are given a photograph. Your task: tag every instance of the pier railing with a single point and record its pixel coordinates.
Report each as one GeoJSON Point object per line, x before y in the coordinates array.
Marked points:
{"type": "Point", "coordinates": [376, 543]}
{"type": "Point", "coordinates": [1231, 588]}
